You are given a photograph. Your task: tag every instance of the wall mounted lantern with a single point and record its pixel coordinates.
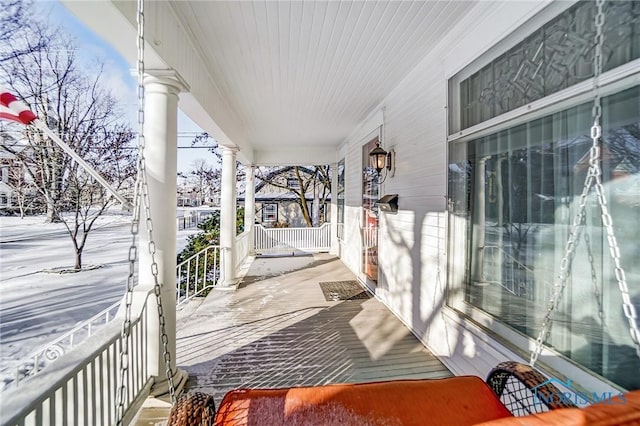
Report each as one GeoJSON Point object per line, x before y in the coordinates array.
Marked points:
{"type": "Point", "coordinates": [381, 160]}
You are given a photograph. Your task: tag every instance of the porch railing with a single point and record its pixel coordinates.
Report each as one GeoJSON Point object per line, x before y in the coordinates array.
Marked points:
{"type": "Point", "coordinates": [81, 390]}
{"type": "Point", "coordinates": [288, 240]}
{"type": "Point", "coordinates": [45, 355]}
{"type": "Point", "coordinates": [198, 273]}
{"type": "Point", "coordinates": [242, 247]}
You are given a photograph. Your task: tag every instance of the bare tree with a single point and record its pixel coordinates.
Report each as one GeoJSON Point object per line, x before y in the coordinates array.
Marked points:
{"type": "Point", "coordinates": [12, 18]}
{"type": "Point", "coordinates": [14, 23]}
{"type": "Point", "coordinates": [315, 178]}
{"type": "Point", "coordinates": [205, 179]}
{"type": "Point", "coordinates": [24, 190]}
{"type": "Point", "coordinates": [204, 140]}
{"type": "Point", "coordinates": [84, 115]}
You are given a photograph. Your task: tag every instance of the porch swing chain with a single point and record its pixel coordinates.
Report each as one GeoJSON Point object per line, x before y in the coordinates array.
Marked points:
{"type": "Point", "coordinates": [141, 192]}
{"type": "Point", "coordinates": [594, 276]}
{"type": "Point", "coordinates": [594, 180]}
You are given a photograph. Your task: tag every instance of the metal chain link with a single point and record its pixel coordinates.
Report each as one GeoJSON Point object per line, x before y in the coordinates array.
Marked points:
{"type": "Point", "coordinates": [565, 270]}
{"type": "Point", "coordinates": [141, 192]}
{"type": "Point", "coordinates": [594, 180]}
{"type": "Point", "coordinates": [135, 227]}
{"type": "Point", "coordinates": [594, 277]}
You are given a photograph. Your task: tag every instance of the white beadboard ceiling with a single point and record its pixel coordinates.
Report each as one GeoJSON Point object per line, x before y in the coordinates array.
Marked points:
{"type": "Point", "coordinates": [305, 73]}
{"type": "Point", "coordinates": [280, 77]}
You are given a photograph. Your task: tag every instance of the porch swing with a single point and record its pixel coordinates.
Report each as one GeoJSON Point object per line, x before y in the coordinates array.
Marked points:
{"type": "Point", "coordinates": [511, 389]}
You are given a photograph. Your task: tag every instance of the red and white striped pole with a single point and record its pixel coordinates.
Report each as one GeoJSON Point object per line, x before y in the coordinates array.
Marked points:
{"type": "Point", "coordinates": [11, 108]}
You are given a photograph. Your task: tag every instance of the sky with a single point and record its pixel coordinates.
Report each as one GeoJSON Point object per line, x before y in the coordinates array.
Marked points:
{"type": "Point", "coordinates": [119, 78]}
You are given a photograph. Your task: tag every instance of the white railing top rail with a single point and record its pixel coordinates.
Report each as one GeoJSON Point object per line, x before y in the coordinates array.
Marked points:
{"type": "Point", "coordinates": [323, 226]}
{"type": "Point", "coordinates": [15, 406]}
{"type": "Point", "coordinates": [279, 240]}
{"type": "Point", "coordinates": [56, 348]}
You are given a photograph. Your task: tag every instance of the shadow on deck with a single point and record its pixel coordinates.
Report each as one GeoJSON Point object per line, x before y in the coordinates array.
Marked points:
{"type": "Point", "coordinates": [278, 330]}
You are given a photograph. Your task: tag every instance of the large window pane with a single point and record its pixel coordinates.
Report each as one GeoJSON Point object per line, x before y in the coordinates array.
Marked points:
{"type": "Point", "coordinates": [514, 196]}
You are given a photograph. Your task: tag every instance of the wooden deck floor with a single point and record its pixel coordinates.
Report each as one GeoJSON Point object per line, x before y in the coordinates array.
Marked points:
{"type": "Point", "coordinates": [278, 330]}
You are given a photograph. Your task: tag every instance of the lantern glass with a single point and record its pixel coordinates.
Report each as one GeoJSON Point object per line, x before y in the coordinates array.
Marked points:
{"type": "Point", "coordinates": [378, 158]}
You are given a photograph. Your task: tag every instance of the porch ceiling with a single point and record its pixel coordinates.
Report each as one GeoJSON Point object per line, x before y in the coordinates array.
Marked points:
{"type": "Point", "coordinates": [291, 74]}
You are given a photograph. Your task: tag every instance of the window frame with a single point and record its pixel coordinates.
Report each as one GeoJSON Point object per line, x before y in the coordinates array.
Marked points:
{"type": "Point", "coordinates": [293, 183]}
{"type": "Point", "coordinates": [467, 315]}
{"type": "Point", "coordinates": [266, 213]}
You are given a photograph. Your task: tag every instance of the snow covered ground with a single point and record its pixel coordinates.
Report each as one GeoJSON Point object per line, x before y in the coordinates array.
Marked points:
{"type": "Point", "coordinates": [37, 306]}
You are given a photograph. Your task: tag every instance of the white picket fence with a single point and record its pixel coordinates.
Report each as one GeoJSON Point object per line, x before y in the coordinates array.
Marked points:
{"type": "Point", "coordinates": [290, 240]}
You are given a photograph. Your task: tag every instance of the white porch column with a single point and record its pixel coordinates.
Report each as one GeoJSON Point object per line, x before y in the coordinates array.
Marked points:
{"type": "Point", "coordinates": [228, 216]}
{"type": "Point", "coordinates": [334, 209]}
{"type": "Point", "coordinates": [250, 206]}
{"type": "Point", "coordinates": [160, 130]}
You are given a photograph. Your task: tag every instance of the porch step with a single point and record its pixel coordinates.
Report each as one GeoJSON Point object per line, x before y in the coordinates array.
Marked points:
{"type": "Point", "coordinates": [154, 412]}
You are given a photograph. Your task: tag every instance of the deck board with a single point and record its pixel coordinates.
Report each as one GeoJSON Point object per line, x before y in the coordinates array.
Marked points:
{"type": "Point", "coordinates": [278, 330]}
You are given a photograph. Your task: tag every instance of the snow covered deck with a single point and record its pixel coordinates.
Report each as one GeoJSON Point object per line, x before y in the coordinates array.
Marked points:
{"type": "Point", "coordinates": [278, 330]}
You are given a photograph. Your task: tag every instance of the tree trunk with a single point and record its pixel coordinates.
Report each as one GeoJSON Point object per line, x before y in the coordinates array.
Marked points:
{"type": "Point", "coordinates": [52, 215]}
{"type": "Point", "coordinates": [78, 265]}
{"type": "Point", "coordinates": [53, 195]}
{"type": "Point", "coordinates": [305, 210]}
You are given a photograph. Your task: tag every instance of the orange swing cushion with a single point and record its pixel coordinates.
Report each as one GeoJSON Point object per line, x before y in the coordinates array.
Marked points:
{"type": "Point", "coordinates": [454, 401]}
{"type": "Point", "coordinates": [463, 400]}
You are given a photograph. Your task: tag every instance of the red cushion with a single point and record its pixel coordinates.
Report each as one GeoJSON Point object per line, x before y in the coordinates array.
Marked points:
{"type": "Point", "coordinates": [463, 400]}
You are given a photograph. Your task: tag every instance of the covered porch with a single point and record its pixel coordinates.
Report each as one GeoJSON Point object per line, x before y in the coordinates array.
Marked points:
{"type": "Point", "coordinates": [279, 330]}
{"type": "Point", "coordinates": [286, 83]}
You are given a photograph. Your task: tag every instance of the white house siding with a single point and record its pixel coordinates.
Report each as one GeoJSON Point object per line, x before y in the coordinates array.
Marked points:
{"type": "Point", "coordinates": [412, 243]}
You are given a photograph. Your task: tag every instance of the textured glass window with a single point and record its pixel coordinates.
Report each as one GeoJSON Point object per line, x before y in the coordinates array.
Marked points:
{"type": "Point", "coordinates": [556, 56]}
{"type": "Point", "coordinates": [513, 197]}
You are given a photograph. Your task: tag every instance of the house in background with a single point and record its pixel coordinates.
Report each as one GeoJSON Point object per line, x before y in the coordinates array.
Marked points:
{"type": "Point", "coordinates": [278, 201]}
{"type": "Point", "coordinates": [16, 187]}
{"type": "Point", "coordinates": [191, 193]}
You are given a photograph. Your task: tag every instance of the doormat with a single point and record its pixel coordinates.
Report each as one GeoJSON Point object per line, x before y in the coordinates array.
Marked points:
{"type": "Point", "coordinates": [343, 290]}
